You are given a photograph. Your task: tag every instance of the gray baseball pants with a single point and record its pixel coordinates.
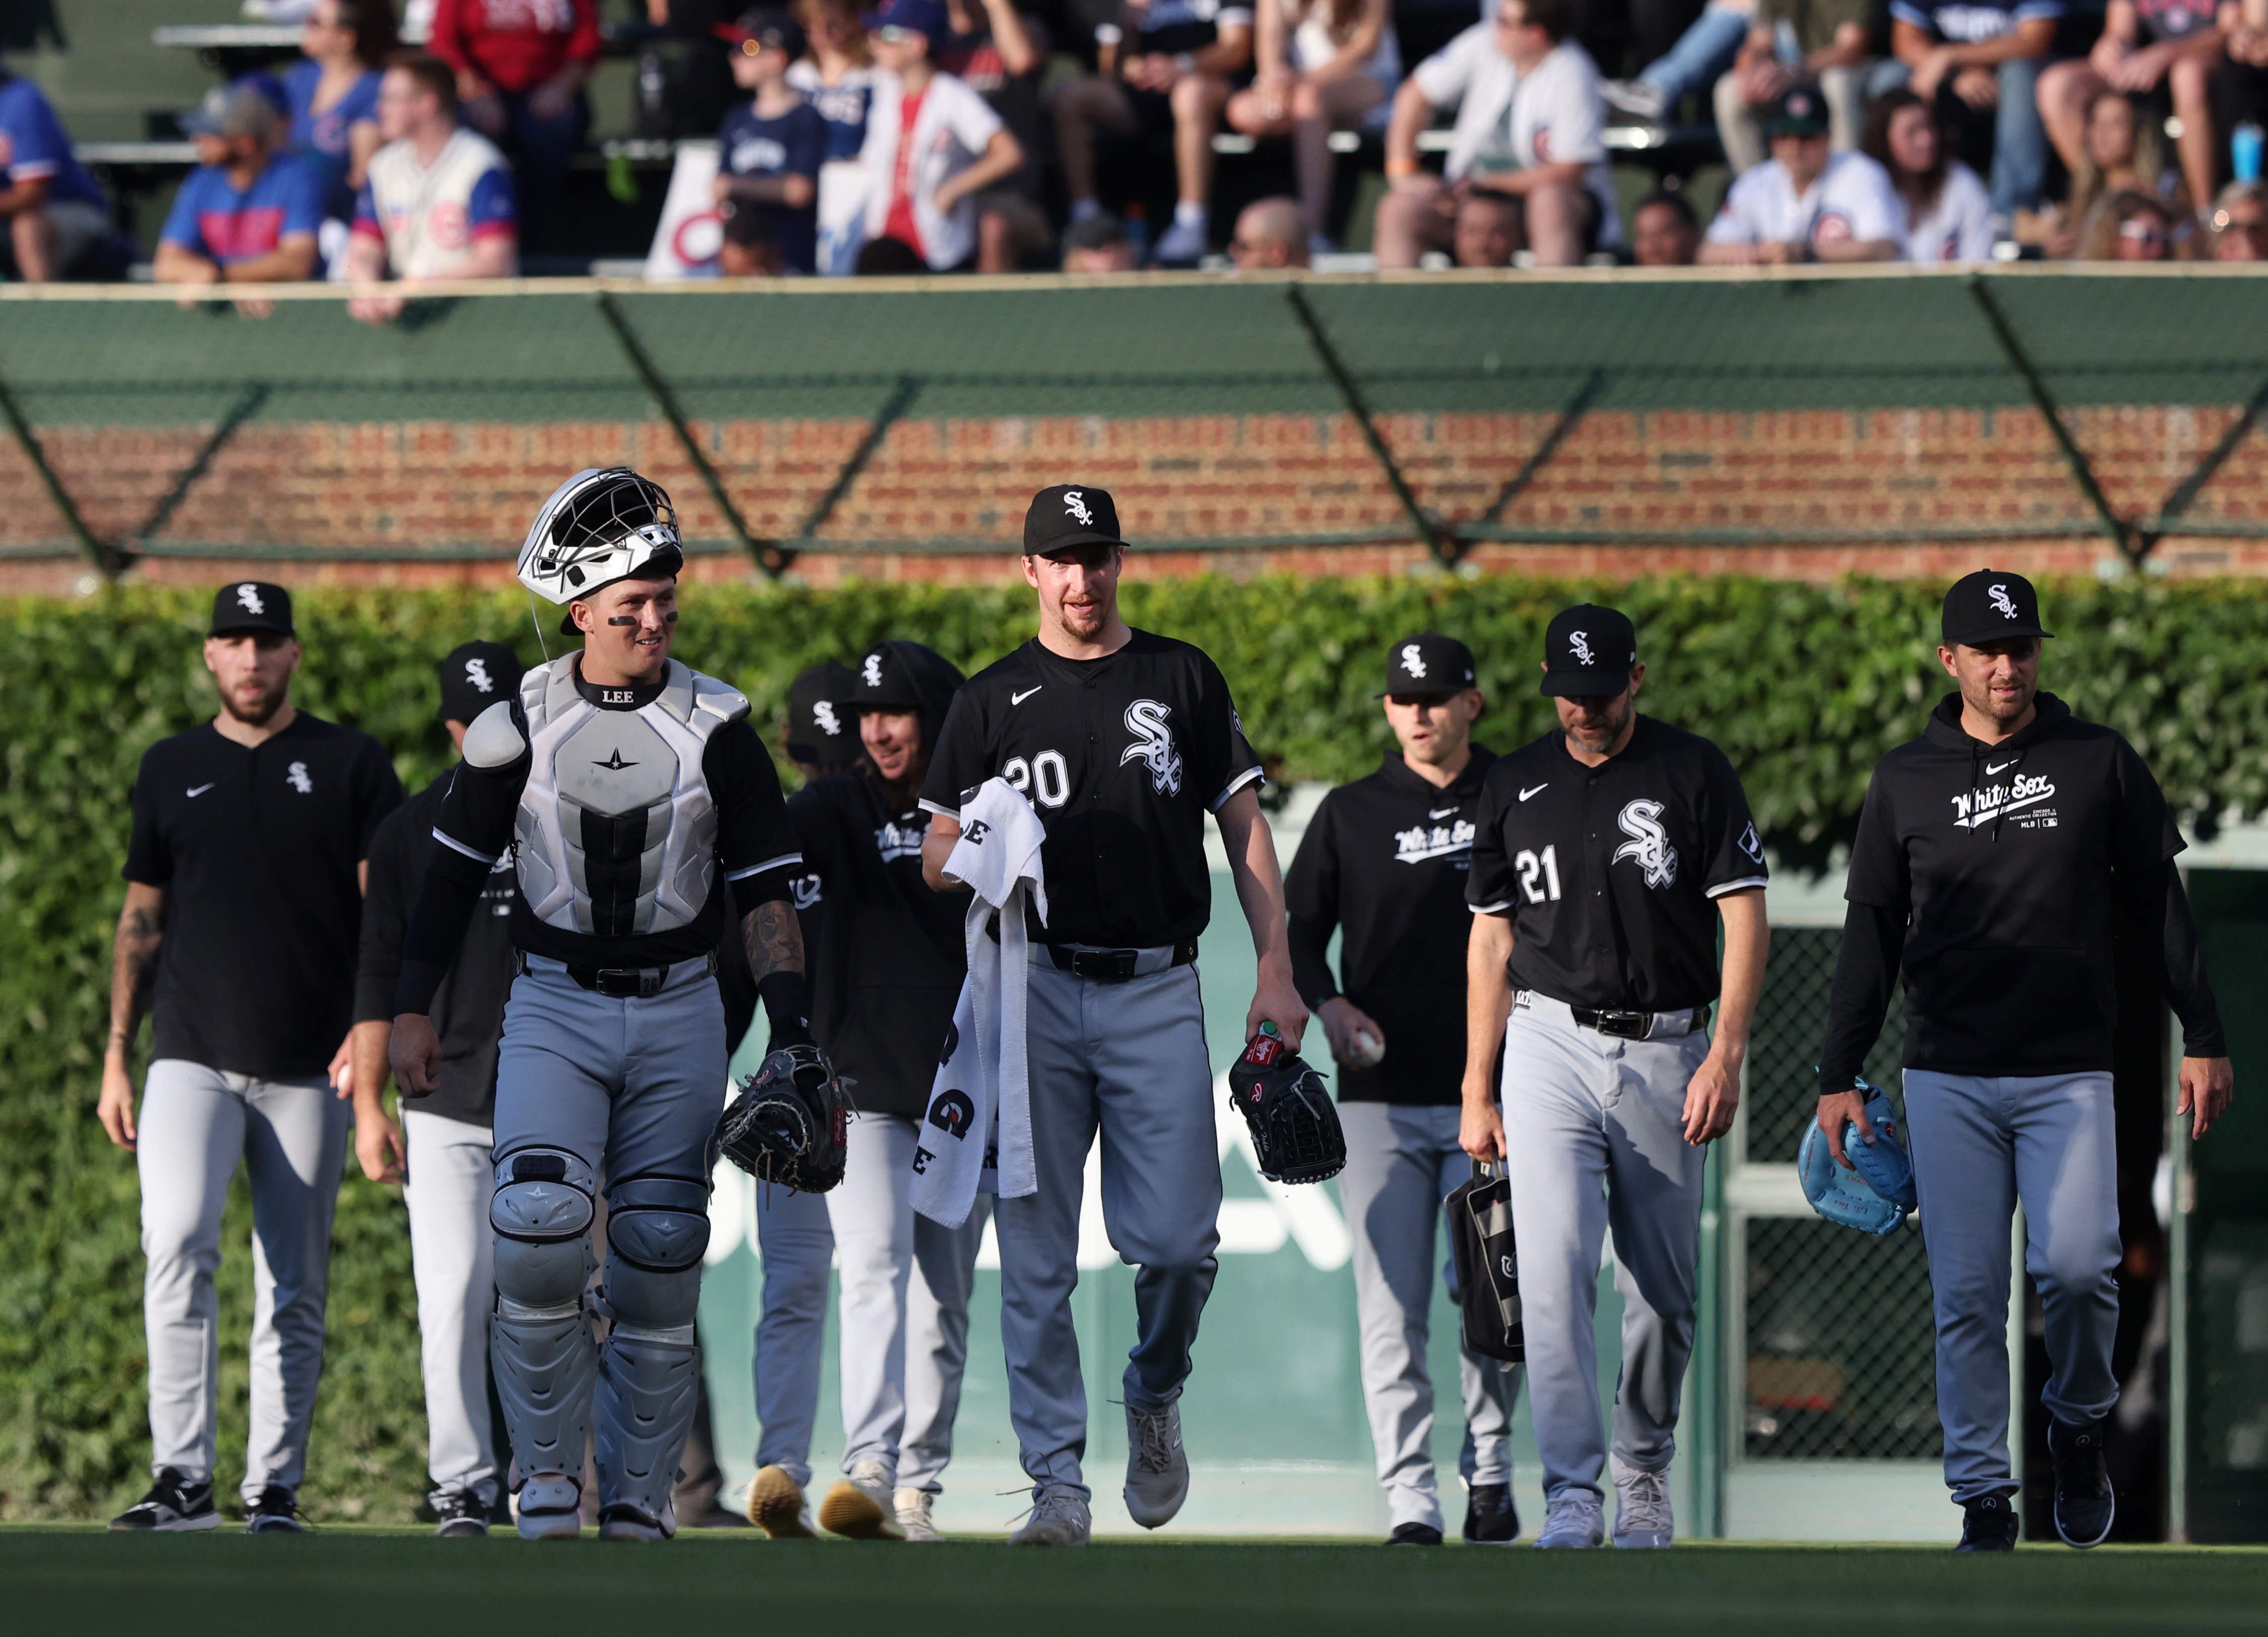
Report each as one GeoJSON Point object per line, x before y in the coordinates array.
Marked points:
{"type": "Point", "coordinates": [1980, 1144]}
{"type": "Point", "coordinates": [453, 1258]}
{"type": "Point", "coordinates": [1596, 1132]}
{"type": "Point", "coordinates": [1127, 1059]}
{"type": "Point", "coordinates": [196, 1125]}
{"type": "Point", "coordinates": [1401, 1163]}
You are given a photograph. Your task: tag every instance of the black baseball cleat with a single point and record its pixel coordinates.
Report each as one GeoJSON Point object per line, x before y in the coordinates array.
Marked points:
{"type": "Point", "coordinates": [172, 1506]}
{"type": "Point", "coordinates": [1489, 1520]}
{"type": "Point", "coordinates": [2085, 1506]}
{"type": "Point", "coordinates": [460, 1515]}
{"type": "Point", "coordinates": [277, 1512]}
{"type": "Point", "coordinates": [1988, 1524]}
{"type": "Point", "coordinates": [1413, 1535]}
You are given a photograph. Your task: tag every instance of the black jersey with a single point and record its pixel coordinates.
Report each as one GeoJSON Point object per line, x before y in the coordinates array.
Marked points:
{"type": "Point", "coordinates": [1384, 860]}
{"type": "Point", "coordinates": [256, 848]}
{"type": "Point", "coordinates": [1122, 757]}
{"type": "Point", "coordinates": [1609, 873]}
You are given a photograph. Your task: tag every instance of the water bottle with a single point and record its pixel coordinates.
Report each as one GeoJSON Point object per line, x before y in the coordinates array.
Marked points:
{"type": "Point", "coordinates": [2245, 152]}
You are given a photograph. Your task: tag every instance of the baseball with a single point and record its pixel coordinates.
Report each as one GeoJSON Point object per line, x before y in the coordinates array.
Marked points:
{"type": "Point", "coordinates": [1369, 1050]}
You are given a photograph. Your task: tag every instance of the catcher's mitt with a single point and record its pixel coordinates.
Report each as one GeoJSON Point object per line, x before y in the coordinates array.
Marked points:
{"type": "Point", "coordinates": [1295, 1129]}
{"type": "Point", "coordinates": [1873, 1196]}
{"type": "Point", "coordinates": [790, 1123]}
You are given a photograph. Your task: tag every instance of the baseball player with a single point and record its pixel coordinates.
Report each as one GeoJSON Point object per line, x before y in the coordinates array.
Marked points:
{"type": "Point", "coordinates": [1385, 858]}
{"type": "Point", "coordinates": [1123, 742]}
{"type": "Point", "coordinates": [635, 802]}
{"type": "Point", "coordinates": [242, 903]}
{"type": "Point", "coordinates": [441, 1147]}
{"type": "Point", "coordinates": [1997, 858]}
{"type": "Point", "coordinates": [1607, 853]}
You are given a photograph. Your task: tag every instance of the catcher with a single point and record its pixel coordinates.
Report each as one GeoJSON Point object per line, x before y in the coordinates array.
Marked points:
{"type": "Point", "coordinates": [635, 801]}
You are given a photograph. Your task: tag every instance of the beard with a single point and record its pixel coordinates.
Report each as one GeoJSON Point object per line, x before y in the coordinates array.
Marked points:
{"type": "Point", "coordinates": [258, 712]}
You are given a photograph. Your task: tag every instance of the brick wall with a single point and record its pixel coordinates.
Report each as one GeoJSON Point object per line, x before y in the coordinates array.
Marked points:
{"type": "Point", "coordinates": [363, 497]}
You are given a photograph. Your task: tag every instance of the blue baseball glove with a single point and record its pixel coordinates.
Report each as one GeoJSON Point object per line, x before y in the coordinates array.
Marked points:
{"type": "Point", "coordinates": [1875, 1195]}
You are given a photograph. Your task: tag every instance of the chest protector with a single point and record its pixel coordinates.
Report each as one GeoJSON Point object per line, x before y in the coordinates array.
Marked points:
{"type": "Point", "coordinates": [616, 833]}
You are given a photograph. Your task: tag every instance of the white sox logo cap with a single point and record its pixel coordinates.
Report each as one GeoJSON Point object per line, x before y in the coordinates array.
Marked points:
{"type": "Point", "coordinates": [1070, 514]}
{"type": "Point", "coordinates": [244, 606]}
{"type": "Point", "coordinates": [1428, 663]}
{"type": "Point", "coordinates": [1588, 652]}
{"type": "Point", "coordinates": [1991, 605]}
{"type": "Point", "coordinates": [474, 677]}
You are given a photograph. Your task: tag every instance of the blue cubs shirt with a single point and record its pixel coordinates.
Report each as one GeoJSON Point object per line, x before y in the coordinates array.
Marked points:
{"type": "Point", "coordinates": [322, 139]}
{"type": "Point", "coordinates": [210, 219]}
{"type": "Point", "coordinates": [1971, 22]}
{"type": "Point", "coordinates": [34, 146]}
{"type": "Point", "coordinates": [794, 144]}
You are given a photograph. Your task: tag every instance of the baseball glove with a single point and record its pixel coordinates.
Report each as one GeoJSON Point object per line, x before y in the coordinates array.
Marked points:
{"type": "Point", "coordinates": [790, 1123]}
{"type": "Point", "coordinates": [1873, 1195]}
{"type": "Point", "coordinates": [1295, 1129]}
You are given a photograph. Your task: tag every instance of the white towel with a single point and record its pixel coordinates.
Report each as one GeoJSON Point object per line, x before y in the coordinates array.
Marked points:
{"type": "Point", "coordinates": [979, 1127]}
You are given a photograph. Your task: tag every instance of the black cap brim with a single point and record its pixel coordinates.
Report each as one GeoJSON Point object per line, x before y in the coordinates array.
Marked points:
{"type": "Point", "coordinates": [1980, 635]}
{"type": "Point", "coordinates": [1585, 684]}
{"type": "Point", "coordinates": [1073, 542]}
{"type": "Point", "coordinates": [253, 627]}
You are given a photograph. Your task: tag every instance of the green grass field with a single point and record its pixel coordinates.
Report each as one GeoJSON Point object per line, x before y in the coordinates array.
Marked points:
{"type": "Point", "coordinates": [346, 1580]}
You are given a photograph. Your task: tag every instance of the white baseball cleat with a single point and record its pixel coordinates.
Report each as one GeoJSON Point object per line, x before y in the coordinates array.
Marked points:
{"type": "Point", "coordinates": [860, 1505]}
{"type": "Point", "coordinates": [775, 1506]}
{"type": "Point", "coordinates": [1642, 1515]}
{"type": "Point", "coordinates": [1574, 1521]}
{"type": "Point", "coordinates": [550, 1507]}
{"type": "Point", "coordinates": [1157, 1470]}
{"type": "Point", "coordinates": [1058, 1518]}
{"type": "Point", "coordinates": [912, 1506]}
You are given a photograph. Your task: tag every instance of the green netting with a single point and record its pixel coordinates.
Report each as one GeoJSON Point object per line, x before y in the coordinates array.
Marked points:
{"type": "Point", "coordinates": [1783, 1090]}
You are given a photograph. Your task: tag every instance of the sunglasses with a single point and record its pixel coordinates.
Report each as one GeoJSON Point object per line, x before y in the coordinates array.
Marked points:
{"type": "Point", "coordinates": [2141, 232]}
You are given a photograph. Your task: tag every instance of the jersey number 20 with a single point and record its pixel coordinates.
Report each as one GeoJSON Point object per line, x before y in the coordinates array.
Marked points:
{"type": "Point", "coordinates": [1539, 878]}
{"type": "Point", "coordinates": [1046, 778]}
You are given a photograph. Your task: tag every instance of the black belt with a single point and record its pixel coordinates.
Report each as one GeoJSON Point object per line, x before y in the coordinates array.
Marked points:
{"type": "Point", "coordinates": [630, 983]}
{"type": "Point", "coordinates": [1627, 1025]}
{"type": "Point", "coordinates": [1112, 965]}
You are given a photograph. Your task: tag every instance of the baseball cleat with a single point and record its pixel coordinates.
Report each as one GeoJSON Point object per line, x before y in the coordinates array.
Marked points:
{"type": "Point", "coordinates": [2085, 1506]}
{"type": "Point", "coordinates": [1642, 1515]}
{"type": "Point", "coordinates": [550, 1507]}
{"type": "Point", "coordinates": [861, 1506]}
{"type": "Point", "coordinates": [1413, 1535]}
{"type": "Point", "coordinates": [1573, 1520]}
{"type": "Point", "coordinates": [277, 1512]}
{"type": "Point", "coordinates": [626, 1520]}
{"type": "Point", "coordinates": [462, 1515]}
{"type": "Point", "coordinates": [1988, 1524]}
{"type": "Point", "coordinates": [775, 1506]}
{"type": "Point", "coordinates": [1058, 1517]}
{"type": "Point", "coordinates": [1157, 1470]}
{"type": "Point", "coordinates": [1489, 1520]}
{"type": "Point", "coordinates": [173, 1506]}
{"type": "Point", "coordinates": [912, 1506]}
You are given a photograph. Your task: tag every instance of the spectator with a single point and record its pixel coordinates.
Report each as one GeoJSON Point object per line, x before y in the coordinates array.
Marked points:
{"type": "Point", "coordinates": [1098, 245]}
{"type": "Point", "coordinates": [1172, 74]}
{"type": "Point", "coordinates": [838, 78]}
{"type": "Point", "coordinates": [1944, 214]}
{"type": "Point", "coordinates": [1664, 232]}
{"type": "Point", "coordinates": [1980, 61]}
{"type": "Point", "coordinates": [438, 203]}
{"type": "Point", "coordinates": [1488, 232]}
{"type": "Point", "coordinates": [1325, 65]}
{"type": "Point", "coordinates": [2120, 151]}
{"type": "Point", "coordinates": [247, 214]}
{"type": "Point", "coordinates": [332, 95]}
{"type": "Point", "coordinates": [1806, 203]}
{"type": "Point", "coordinates": [882, 258]}
{"type": "Point", "coordinates": [2145, 44]}
{"type": "Point", "coordinates": [1270, 234]}
{"type": "Point", "coordinates": [770, 148]}
{"type": "Point", "coordinates": [58, 220]}
{"type": "Point", "coordinates": [2127, 226]}
{"type": "Point", "coordinates": [2239, 83]}
{"type": "Point", "coordinates": [684, 78]}
{"type": "Point", "coordinates": [1530, 126]}
{"type": "Point", "coordinates": [931, 144]}
{"type": "Point", "coordinates": [998, 53]}
{"type": "Point", "coordinates": [1706, 50]}
{"type": "Point", "coordinates": [521, 67]}
{"type": "Point", "coordinates": [1825, 41]}
{"type": "Point", "coordinates": [2239, 224]}
{"type": "Point", "coordinates": [751, 247]}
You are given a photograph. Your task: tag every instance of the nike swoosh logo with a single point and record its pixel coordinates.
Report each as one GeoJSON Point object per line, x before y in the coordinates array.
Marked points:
{"type": "Point", "coordinates": [1990, 770]}
{"type": "Point", "coordinates": [1017, 699]}
{"type": "Point", "coordinates": [1438, 812]}
{"type": "Point", "coordinates": [1546, 785]}
{"type": "Point", "coordinates": [201, 790]}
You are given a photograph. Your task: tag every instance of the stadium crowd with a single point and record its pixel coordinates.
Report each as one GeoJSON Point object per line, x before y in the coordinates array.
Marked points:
{"type": "Point", "coordinates": [969, 135]}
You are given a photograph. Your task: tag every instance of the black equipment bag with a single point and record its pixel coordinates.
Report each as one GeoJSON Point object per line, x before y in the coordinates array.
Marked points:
{"type": "Point", "coordinates": [1488, 1272]}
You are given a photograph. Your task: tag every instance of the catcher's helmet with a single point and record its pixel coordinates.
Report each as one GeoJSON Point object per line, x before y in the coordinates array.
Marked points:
{"type": "Point", "coordinates": [602, 524]}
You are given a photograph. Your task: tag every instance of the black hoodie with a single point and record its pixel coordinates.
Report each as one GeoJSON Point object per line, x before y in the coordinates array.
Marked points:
{"type": "Point", "coordinates": [887, 959]}
{"type": "Point", "coordinates": [1999, 876]}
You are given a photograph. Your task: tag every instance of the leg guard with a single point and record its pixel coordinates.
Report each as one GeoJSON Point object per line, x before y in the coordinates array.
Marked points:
{"type": "Point", "coordinates": [657, 1229]}
{"type": "Point", "coordinates": [540, 1340]}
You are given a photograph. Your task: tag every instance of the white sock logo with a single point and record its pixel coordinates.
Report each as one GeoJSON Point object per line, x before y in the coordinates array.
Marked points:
{"type": "Point", "coordinates": [822, 713]}
{"type": "Point", "coordinates": [476, 672]}
{"type": "Point", "coordinates": [300, 782]}
{"type": "Point", "coordinates": [1649, 843]}
{"type": "Point", "coordinates": [1412, 661]}
{"type": "Point", "coordinates": [1075, 503]}
{"type": "Point", "coordinates": [1146, 720]}
{"type": "Point", "coordinates": [1580, 641]}
{"type": "Point", "coordinates": [873, 671]}
{"type": "Point", "coordinates": [249, 595]}
{"type": "Point", "coordinates": [2001, 601]}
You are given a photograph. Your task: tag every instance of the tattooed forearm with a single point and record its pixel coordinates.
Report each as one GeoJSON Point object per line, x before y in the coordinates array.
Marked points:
{"type": "Point", "coordinates": [775, 939]}
{"type": "Point", "coordinates": [134, 960]}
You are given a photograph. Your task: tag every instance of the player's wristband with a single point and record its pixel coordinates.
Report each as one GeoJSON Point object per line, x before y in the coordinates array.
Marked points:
{"type": "Point", "coordinates": [786, 1008]}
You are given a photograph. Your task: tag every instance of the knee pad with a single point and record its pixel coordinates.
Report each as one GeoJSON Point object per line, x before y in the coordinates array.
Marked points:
{"type": "Point", "coordinates": [661, 1223]}
{"type": "Point", "coordinates": [541, 1212]}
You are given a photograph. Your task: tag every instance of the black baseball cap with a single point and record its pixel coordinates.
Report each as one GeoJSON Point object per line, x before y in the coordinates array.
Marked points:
{"type": "Point", "coordinates": [765, 29]}
{"type": "Point", "coordinates": [474, 677]}
{"type": "Point", "coordinates": [881, 681]}
{"type": "Point", "coordinates": [1799, 111]}
{"type": "Point", "coordinates": [252, 605]}
{"type": "Point", "coordinates": [1588, 652]}
{"type": "Point", "coordinates": [1991, 605]}
{"type": "Point", "coordinates": [1428, 663]}
{"type": "Point", "coordinates": [820, 731]}
{"type": "Point", "coordinates": [1070, 514]}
